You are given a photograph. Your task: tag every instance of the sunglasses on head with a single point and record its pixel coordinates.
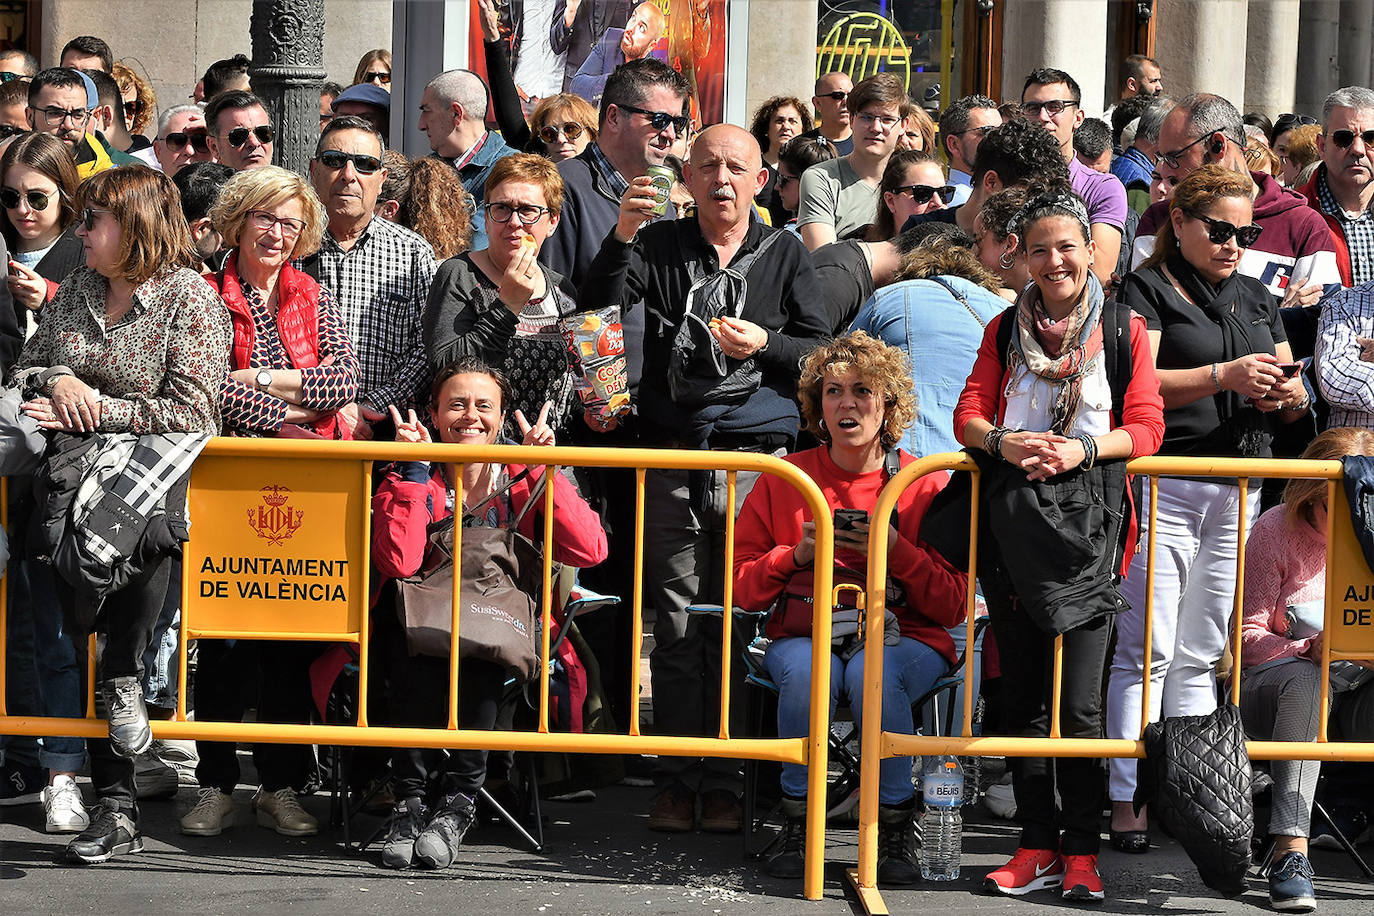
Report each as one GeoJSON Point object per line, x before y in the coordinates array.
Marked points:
{"type": "Point", "coordinates": [1219, 231]}
{"type": "Point", "coordinates": [659, 120]}
{"type": "Point", "coordinates": [1344, 138]}
{"type": "Point", "coordinates": [1288, 121]}
{"type": "Point", "coordinates": [88, 217]}
{"type": "Point", "coordinates": [921, 193]}
{"type": "Point", "coordinates": [239, 135]}
{"type": "Point", "coordinates": [37, 200]}
{"type": "Point", "coordinates": [362, 164]}
{"type": "Point", "coordinates": [177, 140]}
{"type": "Point", "coordinates": [549, 132]}
{"type": "Point", "coordinates": [9, 76]}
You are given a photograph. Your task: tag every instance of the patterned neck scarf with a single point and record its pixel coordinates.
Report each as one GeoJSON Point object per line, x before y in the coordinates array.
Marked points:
{"type": "Point", "coordinates": [1066, 349]}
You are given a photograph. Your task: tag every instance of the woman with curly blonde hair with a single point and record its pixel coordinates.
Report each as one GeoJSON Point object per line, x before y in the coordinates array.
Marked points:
{"type": "Point", "coordinates": [856, 398]}
{"type": "Point", "coordinates": [140, 102]}
{"type": "Point", "coordinates": [420, 194]}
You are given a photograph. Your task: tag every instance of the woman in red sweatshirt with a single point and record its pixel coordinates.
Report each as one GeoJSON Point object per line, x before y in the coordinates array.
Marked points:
{"type": "Point", "coordinates": [856, 398]}
{"type": "Point", "coordinates": [468, 407]}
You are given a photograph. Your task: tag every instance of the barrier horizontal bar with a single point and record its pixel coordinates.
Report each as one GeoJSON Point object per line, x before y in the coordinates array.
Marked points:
{"type": "Point", "coordinates": [781, 750]}
{"type": "Point", "coordinates": [276, 635]}
{"type": "Point", "coordinates": [994, 746]}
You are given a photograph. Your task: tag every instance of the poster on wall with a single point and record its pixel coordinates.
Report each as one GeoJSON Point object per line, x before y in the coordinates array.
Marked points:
{"type": "Point", "coordinates": [574, 45]}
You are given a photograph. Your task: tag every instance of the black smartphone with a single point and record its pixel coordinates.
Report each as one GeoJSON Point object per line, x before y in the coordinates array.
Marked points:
{"type": "Point", "coordinates": [1290, 369]}
{"type": "Point", "coordinates": [847, 519]}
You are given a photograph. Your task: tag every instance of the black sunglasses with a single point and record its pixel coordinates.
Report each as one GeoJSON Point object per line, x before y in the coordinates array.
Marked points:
{"type": "Point", "coordinates": [9, 130]}
{"type": "Point", "coordinates": [38, 200]}
{"type": "Point", "coordinates": [9, 75]}
{"type": "Point", "coordinates": [921, 193]}
{"type": "Point", "coordinates": [131, 109]}
{"type": "Point", "coordinates": [1218, 231]}
{"type": "Point", "coordinates": [337, 159]}
{"type": "Point", "coordinates": [549, 132]}
{"type": "Point", "coordinates": [659, 120]}
{"type": "Point", "coordinates": [199, 140]}
{"type": "Point", "coordinates": [1344, 138]}
{"type": "Point", "coordinates": [783, 181]}
{"type": "Point", "coordinates": [376, 76]}
{"type": "Point", "coordinates": [1053, 106]}
{"type": "Point", "coordinates": [239, 135]}
{"type": "Point", "coordinates": [1288, 121]}
{"type": "Point", "coordinates": [838, 95]}
{"type": "Point", "coordinates": [88, 217]}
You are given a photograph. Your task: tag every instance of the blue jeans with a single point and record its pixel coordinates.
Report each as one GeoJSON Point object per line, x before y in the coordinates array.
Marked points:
{"type": "Point", "coordinates": [162, 661]}
{"type": "Point", "coordinates": [910, 668]}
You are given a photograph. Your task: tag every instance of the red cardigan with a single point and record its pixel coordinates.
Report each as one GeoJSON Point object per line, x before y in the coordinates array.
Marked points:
{"type": "Point", "coordinates": [770, 525]}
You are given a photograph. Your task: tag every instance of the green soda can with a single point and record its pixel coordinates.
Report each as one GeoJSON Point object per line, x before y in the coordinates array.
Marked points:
{"type": "Point", "coordinates": [663, 178]}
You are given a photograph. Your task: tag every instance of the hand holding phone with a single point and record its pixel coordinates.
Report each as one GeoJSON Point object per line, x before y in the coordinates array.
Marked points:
{"type": "Point", "coordinates": [848, 519]}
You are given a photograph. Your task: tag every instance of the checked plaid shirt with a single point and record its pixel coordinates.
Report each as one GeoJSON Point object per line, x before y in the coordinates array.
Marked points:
{"type": "Point", "coordinates": [381, 285]}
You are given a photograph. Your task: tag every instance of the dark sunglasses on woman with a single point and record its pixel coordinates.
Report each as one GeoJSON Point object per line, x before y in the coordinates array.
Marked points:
{"type": "Point", "coordinates": [380, 77]}
{"type": "Point", "coordinates": [1287, 121]}
{"type": "Point", "coordinates": [199, 140]}
{"type": "Point", "coordinates": [38, 200]}
{"type": "Point", "coordinates": [239, 135]}
{"type": "Point", "coordinates": [570, 129]}
{"type": "Point", "coordinates": [921, 193]}
{"type": "Point", "coordinates": [1218, 231]}
{"type": "Point", "coordinates": [131, 109]}
{"type": "Point", "coordinates": [88, 217]}
{"type": "Point", "coordinates": [362, 164]}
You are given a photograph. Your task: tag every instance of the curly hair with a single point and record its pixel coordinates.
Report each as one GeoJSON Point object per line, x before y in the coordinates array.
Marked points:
{"type": "Point", "coordinates": [145, 100]}
{"type": "Point", "coordinates": [1020, 152]}
{"type": "Point", "coordinates": [944, 260]}
{"type": "Point", "coordinates": [1195, 194]}
{"type": "Point", "coordinates": [764, 116]}
{"type": "Point", "coordinates": [1000, 209]}
{"type": "Point", "coordinates": [427, 207]}
{"type": "Point", "coordinates": [885, 367]}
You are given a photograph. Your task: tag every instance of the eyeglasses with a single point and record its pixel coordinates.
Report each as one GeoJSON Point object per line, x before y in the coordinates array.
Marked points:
{"type": "Point", "coordinates": [1171, 159]}
{"type": "Point", "coordinates": [659, 120]}
{"type": "Point", "coordinates": [362, 164]}
{"type": "Point", "coordinates": [377, 76]}
{"type": "Point", "coordinates": [571, 129]}
{"type": "Point", "coordinates": [131, 109]}
{"type": "Point", "coordinates": [177, 140]}
{"type": "Point", "coordinates": [1344, 138]}
{"type": "Point", "coordinates": [838, 95]}
{"type": "Point", "coordinates": [10, 130]}
{"type": "Point", "coordinates": [55, 116]}
{"type": "Point", "coordinates": [264, 221]}
{"type": "Point", "coordinates": [886, 121]}
{"type": "Point", "coordinates": [7, 76]}
{"type": "Point", "coordinates": [983, 131]}
{"type": "Point", "coordinates": [528, 214]}
{"type": "Point", "coordinates": [239, 135]}
{"type": "Point", "coordinates": [783, 181]}
{"type": "Point", "coordinates": [1054, 107]}
{"type": "Point", "coordinates": [88, 217]}
{"type": "Point", "coordinates": [1218, 231]}
{"type": "Point", "coordinates": [922, 193]}
{"type": "Point", "coordinates": [37, 200]}
{"type": "Point", "coordinates": [1288, 121]}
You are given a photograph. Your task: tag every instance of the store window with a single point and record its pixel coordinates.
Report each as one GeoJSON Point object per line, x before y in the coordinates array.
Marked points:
{"type": "Point", "coordinates": [916, 39]}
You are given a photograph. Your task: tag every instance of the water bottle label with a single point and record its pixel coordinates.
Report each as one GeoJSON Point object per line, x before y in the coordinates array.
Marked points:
{"type": "Point", "coordinates": [943, 793]}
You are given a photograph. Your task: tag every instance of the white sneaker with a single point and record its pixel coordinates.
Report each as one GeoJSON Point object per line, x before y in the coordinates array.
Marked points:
{"type": "Point", "coordinates": [213, 811]}
{"type": "Point", "coordinates": [63, 808]}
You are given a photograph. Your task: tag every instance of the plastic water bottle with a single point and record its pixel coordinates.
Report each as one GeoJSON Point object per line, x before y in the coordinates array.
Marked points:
{"type": "Point", "coordinates": [942, 827]}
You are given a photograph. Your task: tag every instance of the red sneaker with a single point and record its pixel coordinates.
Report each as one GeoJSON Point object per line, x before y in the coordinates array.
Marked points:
{"type": "Point", "coordinates": [1081, 880]}
{"type": "Point", "coordinates": [1029, 870]}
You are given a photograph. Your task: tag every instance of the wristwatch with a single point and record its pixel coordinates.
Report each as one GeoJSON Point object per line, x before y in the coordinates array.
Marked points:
{"type": "Point", "coordinates": [263, 379]}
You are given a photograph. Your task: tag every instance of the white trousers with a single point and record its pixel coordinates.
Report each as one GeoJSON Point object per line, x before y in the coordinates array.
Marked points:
{"type": "Point", "coordinates": [1194, 595]}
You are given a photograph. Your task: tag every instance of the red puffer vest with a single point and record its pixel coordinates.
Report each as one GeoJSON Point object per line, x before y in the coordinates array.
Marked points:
{"type": "Point", "coordinates": [298, 324]}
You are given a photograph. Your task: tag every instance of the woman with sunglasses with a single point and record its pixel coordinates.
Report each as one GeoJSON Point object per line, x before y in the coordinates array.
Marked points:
{"type": "Point", "coordinates": [561, 126]}
{"type": "Point", "coordinates": [38, 184]}
{"type": "Point", "coordinates": [134, 342]}
{"type": "Point", "coordinates": [374, 68]}
{"type": "Point", "coordinates": [140, 103]}
{"type": "Point", "coordinates": [913, 183]}
{"type": "Point", "coordinates": [1226, 374]}
{"type": "Point", "coordinates": [499, 303]}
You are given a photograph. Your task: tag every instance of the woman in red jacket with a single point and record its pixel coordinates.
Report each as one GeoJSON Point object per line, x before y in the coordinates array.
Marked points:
{"type": "Point", "coordinates": [856, 398]}
{"type": "Point", "coordinates": [468, 407]}
{"type": "Point", "coordinates": [1044, 405]}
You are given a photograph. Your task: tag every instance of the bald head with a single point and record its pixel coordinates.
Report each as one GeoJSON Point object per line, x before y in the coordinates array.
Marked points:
{"type": "Point", "coordinates": [724, 174]}
{"type": "Point", "coordinates": [721, 136]}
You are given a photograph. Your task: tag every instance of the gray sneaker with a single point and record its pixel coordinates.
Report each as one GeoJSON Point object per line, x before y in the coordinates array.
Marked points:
{"type": "Point", "coordinates": [407, 823]}
{"type": "Point", "coordinates": [130, 734]}
{"type": "Point", "coordinates": [438, 845]}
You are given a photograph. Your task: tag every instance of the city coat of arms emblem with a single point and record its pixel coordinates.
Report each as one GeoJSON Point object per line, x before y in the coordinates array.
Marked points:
{"type": "Point", "coordinates": [274, 520]}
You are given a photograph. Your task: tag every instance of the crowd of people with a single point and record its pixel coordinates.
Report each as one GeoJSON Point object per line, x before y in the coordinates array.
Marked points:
{"type": "Point", "coordinates": [850, 283]}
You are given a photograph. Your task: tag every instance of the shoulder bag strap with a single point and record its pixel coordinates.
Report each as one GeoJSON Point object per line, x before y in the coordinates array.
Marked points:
{"type": "Point", "coordinates": [963, 300]}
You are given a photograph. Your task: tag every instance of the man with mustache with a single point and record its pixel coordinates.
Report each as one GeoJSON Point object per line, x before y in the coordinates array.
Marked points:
{"type": "Point", "coordinates": [779, 315]}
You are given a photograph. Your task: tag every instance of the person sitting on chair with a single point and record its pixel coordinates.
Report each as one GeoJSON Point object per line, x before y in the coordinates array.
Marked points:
{"type": "Point", "coordinates": [856, 398]}
{"type": "Point", "coordinates": [468, 405]}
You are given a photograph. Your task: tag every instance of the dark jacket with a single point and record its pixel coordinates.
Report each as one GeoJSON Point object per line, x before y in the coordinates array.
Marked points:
{"type": "Point", "coordinates": [593, 17]}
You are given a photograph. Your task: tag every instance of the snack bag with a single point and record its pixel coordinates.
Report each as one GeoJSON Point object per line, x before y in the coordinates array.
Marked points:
{"type": "Point", "coordinates": [596, 342]}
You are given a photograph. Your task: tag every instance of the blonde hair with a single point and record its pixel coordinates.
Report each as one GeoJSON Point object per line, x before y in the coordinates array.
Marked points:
{"type": "Point", "coordinates": [1260, 158]}
{"type": "Point", "coordinates": [1302, 146]}
{"type": "Point", "coordinates": [945, 259]}
{"type": "Point", "coordinates": [263, 188]}
{"type": "Point", "coordinates": [884, 367]}
{"type": "Point", "coordinates": [127, 78]}
{"type": "Point", "coordinates": [563, 105]}
{"type": "Point", "coordinates": [368, 59]}
{"type": "Point", "coordinates": [1302, 495]}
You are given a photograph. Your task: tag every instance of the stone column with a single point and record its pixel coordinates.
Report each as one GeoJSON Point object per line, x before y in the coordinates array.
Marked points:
{"type": "Point", "coordinates": [781, 59]}
{"type": "Point", "coordinates": [1271, 56]}
{"type": "Point", "coordinates": [1353, 52]}
{"type": "Point", "coordinates": [1068, 35]}
{"type": "Point", "coordinates": [288, 53]}
{"type": "Point", "coordinates": [1200, 46]}
{"type": "Point", "coordinates": [1318, 67]}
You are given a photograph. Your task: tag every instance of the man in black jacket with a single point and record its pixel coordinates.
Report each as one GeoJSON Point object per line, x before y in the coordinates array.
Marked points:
{"type": "Point", "coordinates": [782, 316]}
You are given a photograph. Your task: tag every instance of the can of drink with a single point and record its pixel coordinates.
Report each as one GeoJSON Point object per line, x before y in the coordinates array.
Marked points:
{"type": "Point", "coordinates": [663, 178]}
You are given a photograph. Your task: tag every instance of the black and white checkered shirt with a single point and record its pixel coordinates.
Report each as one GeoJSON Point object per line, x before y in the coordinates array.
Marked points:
{"type": "Point", "coordinates": [1358, 230]}
{"type": "Point", "coordinates": [381, 285]}
{"type": "Point", "coordinates": [1346, 379]}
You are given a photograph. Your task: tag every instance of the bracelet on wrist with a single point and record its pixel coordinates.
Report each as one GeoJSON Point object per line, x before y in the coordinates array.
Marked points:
{"type": "Point", "coordinates": [1089, 451]}
{"type": "Point", "coordinates": [992, 441]}
{"type": "Point", "coordinates": [1216, 379]}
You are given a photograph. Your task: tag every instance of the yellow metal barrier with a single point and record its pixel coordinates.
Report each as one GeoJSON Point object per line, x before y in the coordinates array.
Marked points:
{"type": "Point", "coordinates": [1349, 634]}
{"type": "Point", "coordinates": [297, 568]}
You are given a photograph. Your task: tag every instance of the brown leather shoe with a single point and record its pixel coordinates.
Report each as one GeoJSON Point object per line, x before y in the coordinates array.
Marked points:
{"type": "Point", "coordinates": [674, 810]}
{"type": "Point", "coordinates": [720, 811]}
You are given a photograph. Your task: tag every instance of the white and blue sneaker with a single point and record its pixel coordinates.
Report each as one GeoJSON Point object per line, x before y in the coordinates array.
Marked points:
{"type": "Point", "coordinates": [1290, 885]}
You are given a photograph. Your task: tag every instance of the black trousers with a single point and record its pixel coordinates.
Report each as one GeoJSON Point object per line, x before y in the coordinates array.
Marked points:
{"type": "Point", "coordinates": [127, 619]}
{"type": "Point", "coordinates": [417, 697]}
{"type": "Point", "coordinates": [274, 677]}
{"type": "Point", "coordinates": [1026, 653]}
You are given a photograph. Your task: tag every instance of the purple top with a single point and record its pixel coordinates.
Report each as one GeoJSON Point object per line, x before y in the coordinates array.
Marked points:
{"type": "Point", "coordinates": [1104, 194]}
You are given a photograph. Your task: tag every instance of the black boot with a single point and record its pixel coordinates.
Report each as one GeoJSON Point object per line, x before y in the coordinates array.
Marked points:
{"type": "Point", "coordinates": [897, 844]}
{"type": "Point", "coordinates": [788, 859]}
{"type": "Point", "coordinates": [113, 831]}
